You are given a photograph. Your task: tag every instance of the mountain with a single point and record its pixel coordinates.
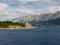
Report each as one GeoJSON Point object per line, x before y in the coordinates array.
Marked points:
{"type": "Point", "coordinates": [54, 21]}
{"type": "Point", "coordinates": [39, 19]}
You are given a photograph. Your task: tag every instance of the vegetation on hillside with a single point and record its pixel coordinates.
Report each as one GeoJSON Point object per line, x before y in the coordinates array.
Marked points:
{"type": "Point", "coordinates": [5, 24]}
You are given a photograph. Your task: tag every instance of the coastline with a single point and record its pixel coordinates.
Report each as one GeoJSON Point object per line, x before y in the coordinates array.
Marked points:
{"type": "Point", "coordinates": [12, 28]}
{"type": "Point", "coordinates": [21, 28]}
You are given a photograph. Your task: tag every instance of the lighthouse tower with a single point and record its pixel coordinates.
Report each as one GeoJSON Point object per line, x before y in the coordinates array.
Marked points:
{"type": "Point", "coordinates": [27, 23]}
{"type": "Point", "coordinates": [29, 26]}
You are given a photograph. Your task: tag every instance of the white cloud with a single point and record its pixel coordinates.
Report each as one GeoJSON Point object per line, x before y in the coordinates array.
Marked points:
{"type": "Point", "coordinates": [50, 9]}
{"type": "Point", "coordinates": [42, 0]}
{"type": "Point", "coordinates": [6, 12]}
{"type": "Point", "coordinates": [26, 10]}
{"type": "Point", "coordinates": [3, 6]}
{"type": "Point", "coordinates": [53, 9]}
{"type": "Point", "coordinates": [26, 1]}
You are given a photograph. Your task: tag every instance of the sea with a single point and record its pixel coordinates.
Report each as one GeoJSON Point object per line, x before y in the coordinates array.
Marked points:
{"type": "Point", "coordinates": [45, 35]}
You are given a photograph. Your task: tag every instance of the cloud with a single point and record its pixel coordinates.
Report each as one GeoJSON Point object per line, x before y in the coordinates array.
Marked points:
{"type": "Point", "coordinates": [27, 10]}
{"type": "Point", "coordinates": [34, 0]}
{"type": "Point", "coordinates": [56, 0]}
{"type": "Point", "coordinates": [6, 12]}
{"type": "Point", "coordinates": [54, 8]}
{"type": "Point", "coordinates": [15, 8]}
{"type": "Point", "coordinates": [36, 11]}
{"type": "Point", "coordinates": [51, 9]}
{"type": "Point", "coordinates": [26, 1]}
{"type": "Point", "coordinates": [3, 6]}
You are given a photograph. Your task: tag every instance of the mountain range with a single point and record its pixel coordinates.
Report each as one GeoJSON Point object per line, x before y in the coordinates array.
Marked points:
{"type": "Point", "coordinates": [50, 18]}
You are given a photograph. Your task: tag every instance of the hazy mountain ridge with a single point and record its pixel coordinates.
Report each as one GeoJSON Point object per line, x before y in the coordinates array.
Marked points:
{"type": "Point", "coordinates": [37, 19]}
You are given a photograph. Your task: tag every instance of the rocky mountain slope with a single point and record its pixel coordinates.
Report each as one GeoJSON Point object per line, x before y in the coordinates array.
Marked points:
{"type": "Point", "coordinates": [38, 19]}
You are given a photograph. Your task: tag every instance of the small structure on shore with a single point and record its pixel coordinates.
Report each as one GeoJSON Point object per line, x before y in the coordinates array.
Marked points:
{"type": "Point", "coordinates": [28, 26]}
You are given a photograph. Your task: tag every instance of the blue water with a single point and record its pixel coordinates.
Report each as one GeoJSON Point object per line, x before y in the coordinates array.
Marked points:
{"type": "Point", "coordinates": [46, 35]}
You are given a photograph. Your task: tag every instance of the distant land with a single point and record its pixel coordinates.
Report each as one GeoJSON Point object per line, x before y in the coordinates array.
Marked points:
{"type": "Point", "coordinates": [33, 21]}
{"type": "Point", "coordinates": [9, 24]}
{"type": "Point", "coordinates": [41, 19]}
{"type": "Point", "coordinates": [15, 25]}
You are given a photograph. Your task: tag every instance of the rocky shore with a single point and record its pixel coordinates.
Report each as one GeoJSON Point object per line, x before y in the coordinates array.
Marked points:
{"type": "Point", "coordinates": [21, 28]}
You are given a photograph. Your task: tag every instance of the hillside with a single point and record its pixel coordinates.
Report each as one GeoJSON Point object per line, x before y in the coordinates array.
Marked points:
{"type": "Point", "coordinates": [5, 24]}
{"type": "Point", "coordinates": [50, 18]}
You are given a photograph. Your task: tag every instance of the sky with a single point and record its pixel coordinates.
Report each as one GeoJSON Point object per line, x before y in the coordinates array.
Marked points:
{"type": "Point", "coordinates": [10, 9]}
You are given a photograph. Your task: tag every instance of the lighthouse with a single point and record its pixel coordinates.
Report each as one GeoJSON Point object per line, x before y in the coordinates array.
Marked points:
{"type": "Point", "coordinates": [28, 25]}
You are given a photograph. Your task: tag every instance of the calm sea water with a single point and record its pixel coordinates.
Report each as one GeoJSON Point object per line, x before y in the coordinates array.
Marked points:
{"type": "Point", "coordinates": [46, 35]}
